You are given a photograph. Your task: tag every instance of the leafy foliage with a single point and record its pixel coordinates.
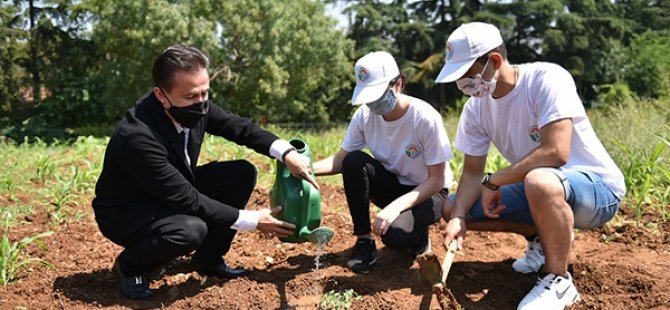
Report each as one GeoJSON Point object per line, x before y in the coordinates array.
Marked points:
{"type": "Point", "coordinates": [279, 63]}
{"type": "Point", "coordinates": [338, 300]}
{"type": "Point", "coordinates": [647, 65]}
{"type": "Point", "coordinates": [67, 64]}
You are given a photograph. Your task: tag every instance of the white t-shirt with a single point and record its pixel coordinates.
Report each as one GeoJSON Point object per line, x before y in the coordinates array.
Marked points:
{"type": "Point", "coordinates": [404, 146]}
{"type": "Point", "coordinates": [544, 93]}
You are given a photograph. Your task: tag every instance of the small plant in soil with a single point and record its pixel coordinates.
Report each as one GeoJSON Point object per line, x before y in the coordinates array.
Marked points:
{"type": "Point", "coordinates": [338, 300]}
{"type": "Point", "coordinates": [13, 258]}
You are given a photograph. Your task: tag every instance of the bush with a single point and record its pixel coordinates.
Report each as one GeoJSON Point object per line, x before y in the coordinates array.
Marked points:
{"type": "Point", "coordinates": [647, 69]}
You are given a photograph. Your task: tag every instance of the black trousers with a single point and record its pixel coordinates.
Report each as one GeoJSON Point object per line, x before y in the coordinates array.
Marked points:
{"type": "Point", "coordinates": [366, 180]}
{"type": "Point", "coordinates": [173, 234]}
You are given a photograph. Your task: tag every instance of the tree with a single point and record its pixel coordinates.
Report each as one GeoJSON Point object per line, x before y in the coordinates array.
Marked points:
{"type": "Point", "coordinates": [12, 75]}
{"type": "Point", "coordinates": [283, 61]}
{"type": "Point", "coordinates": [274, 61]}
{"type": "Point", "coordinates": [129, 35]}
{"type": "Point", "coordinates": [587, 40]}
{"type": "Point", "coordinates": [44, 42]}
{"type": "Point", "coordinates": [647, 65]}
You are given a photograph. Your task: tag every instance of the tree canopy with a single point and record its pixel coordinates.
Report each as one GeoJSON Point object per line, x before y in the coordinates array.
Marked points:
{"type": "Point", "coordinates": [74, 63]}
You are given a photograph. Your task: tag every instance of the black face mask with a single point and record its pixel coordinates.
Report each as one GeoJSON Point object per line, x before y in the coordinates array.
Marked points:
{"type": "Point", "coordinates": [188, 116]}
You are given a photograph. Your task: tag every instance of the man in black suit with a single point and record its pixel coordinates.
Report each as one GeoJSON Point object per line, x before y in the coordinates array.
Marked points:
{"type": "Point", "coordinates": [153, 199]}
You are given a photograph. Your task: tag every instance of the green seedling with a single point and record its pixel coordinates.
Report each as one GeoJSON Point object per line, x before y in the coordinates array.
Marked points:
{"type": "Point", "coordinates": [13, 259]}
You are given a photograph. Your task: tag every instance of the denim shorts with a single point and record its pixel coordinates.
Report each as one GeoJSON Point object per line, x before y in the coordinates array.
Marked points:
{"type": "Point", "coordinates": [592, 201]}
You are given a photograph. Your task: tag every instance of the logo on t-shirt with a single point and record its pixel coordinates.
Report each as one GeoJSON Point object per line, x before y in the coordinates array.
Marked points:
{"type": "Point", "coordinates": [412, 151]}
{"type": "Point", "coordinates": [534, 133]}
{"type": "Point", "coordinates": [363, 74]}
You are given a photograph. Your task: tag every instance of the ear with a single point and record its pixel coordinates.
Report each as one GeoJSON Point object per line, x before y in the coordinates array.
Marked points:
{"type": "Point", "coordinates": [497, 60]}
{"type": "Point", "coordinates": [158, 92]}
{"type": "Point", "coordinates": [399, 86]}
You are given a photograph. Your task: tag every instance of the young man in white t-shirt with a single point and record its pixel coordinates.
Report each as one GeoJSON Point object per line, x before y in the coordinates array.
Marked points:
{"type": "Point", "coordinates": [560, 174]}
{"type": "Point", "coordinates": [407, 175]}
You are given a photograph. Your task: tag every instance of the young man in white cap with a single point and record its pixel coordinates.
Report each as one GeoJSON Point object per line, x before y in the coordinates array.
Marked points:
{"type": "Point", "coordinates": [560, 174]}
{"type": "Point", "coordinates": [407, 175]}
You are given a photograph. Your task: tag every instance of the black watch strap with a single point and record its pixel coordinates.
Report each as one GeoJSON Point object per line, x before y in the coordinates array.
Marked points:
{"type": "Point", "coordinates": [283, 156]}
{"type": "Point", "coordinates": [486, 181]}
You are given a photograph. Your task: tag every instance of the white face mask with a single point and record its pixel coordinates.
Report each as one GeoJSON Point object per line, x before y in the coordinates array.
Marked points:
{"type": "Point", "coordinates": [476, 86]}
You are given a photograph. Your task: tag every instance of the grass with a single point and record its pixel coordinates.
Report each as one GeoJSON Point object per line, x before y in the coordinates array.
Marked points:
{"type": "Point", "coordinates": [637, 136]}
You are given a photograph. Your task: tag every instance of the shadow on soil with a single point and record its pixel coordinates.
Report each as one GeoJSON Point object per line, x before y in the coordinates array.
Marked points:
{"type": "Point", "coordinates": [476, 285]}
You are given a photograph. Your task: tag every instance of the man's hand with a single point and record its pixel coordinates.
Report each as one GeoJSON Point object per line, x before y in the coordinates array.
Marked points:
{"type": "Point", "coordinates": [384, 218]}
{"type": "Point", "coordinates": [298, 164]}
{"type": "Point", "coordinates": [455, 231]}
{"type": "Point", "coordinates": [492, 204]}
{"type": "Point", "coordinates": [267, 223]}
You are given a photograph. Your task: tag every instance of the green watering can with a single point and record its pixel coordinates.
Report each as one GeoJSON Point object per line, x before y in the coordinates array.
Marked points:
{"type": "Point", "coordinates": [300, 202]}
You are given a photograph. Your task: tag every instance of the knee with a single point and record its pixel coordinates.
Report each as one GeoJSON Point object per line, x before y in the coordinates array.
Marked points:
{"type": "Point", "coordinates": [397, 239]}
{"type": "Point", "coordinates": [543, 183]}
{"type": "Point", "coordinates": [248, 173]}
{"type": "Point", "coordinates": [354, 161]}
{"type": "Point", "coordinates": [193, 232]}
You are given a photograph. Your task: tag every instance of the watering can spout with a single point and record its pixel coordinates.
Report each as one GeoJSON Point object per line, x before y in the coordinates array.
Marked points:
{"type": "Point", "coordinates": [300, 201]}
{"type": "Point", "coordinates": [320, 235]}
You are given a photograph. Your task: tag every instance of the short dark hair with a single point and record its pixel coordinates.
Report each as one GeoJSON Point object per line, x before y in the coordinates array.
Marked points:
{"type": "Point", "coordinates": [401, 77]}
{"type": "Point", "coordinates": [175, 58]}
{"type": "Point", "coordinates": [501, 49]}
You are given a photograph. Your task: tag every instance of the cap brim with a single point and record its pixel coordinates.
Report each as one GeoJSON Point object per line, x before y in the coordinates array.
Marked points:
{"type": "Point", "coordinates": [452, 71]}
{"type": "Point", "coordinates": [368, 93]}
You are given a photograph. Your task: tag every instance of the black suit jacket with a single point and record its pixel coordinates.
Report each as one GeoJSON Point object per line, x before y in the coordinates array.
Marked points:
{"type": "Point", "coordinates": [145, 169]}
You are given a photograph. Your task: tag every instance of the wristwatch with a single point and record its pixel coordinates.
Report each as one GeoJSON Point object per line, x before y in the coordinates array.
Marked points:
{"type": "Point", "coordinates": [283, 156]}
{"type": "Point", "coordinates": [486, 182]}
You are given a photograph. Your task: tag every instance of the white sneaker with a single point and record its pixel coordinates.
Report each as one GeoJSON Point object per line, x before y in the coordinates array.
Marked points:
{"type": "Point", "coordinates": [551, 293]}
{"type": "Point", "coordinates": [532, 260]}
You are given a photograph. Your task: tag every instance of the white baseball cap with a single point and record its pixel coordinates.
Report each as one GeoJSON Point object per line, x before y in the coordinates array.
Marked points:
{"type": "Point", "coordinates": [373, 72]}
{"type": "Point", "coordinates": [467, 43]}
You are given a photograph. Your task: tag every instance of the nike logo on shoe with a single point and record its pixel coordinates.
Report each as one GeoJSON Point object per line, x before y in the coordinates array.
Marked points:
{"type": "Point", "coordinates": [560, 295]}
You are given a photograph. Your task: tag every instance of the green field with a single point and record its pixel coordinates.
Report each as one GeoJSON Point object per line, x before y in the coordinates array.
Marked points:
{"type": "Point", "coordinates": [61, 176]}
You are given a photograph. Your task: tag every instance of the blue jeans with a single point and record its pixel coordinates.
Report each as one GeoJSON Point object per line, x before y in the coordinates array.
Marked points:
{"type": "Point", "coordinates": [592, 201]}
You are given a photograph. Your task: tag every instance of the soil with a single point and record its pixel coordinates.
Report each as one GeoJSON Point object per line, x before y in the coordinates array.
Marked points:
{"type": "Point", "coordinates": [615, 267]}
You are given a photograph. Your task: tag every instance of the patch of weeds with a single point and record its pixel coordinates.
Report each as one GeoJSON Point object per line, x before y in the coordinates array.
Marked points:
{"type": "Point", "coordinates": [14, 260]}
{"type": "Point", "coordinates": [652, 228]}
{"type": "Point", "coordinates": [9, 215]}
{"type": "Point", "coordinates": [10, 186]}
{"type": "Point", "coordinates": [607, 238]}
{"type": "Point", "coordinates": [45, 168]}
{"type": "Point", "coordinates": [640, 175]}
{"type": "Point", "coordinates": [338, 300]}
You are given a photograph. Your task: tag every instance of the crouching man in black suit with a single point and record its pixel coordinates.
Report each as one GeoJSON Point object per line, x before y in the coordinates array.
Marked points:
{"type": "Point", "coordinates": [153, 199]}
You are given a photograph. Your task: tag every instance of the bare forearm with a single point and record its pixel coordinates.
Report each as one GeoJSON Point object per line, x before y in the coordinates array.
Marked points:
{"type": "Point", "coordinates": [420, 193]}
{"type": "Point", "coordinates": [326, 166]}
{"type": "Point", "coordinates": [539, 157]}
{"type": "Point", "coordinates": [331, 165]}
{"type": "Point", "coordinates": [553, 151]}
{"type": "Point", "coordinates": [469, 190]}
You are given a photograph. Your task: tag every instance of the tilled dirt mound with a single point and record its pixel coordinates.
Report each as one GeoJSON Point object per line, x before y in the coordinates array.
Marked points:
{"type": "Point", "coordinates": [626, 267]}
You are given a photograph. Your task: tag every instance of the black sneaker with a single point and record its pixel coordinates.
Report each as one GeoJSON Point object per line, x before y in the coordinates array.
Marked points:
{"type": "Point", "coordinates": [422, 246]}
{"type": "Point", "coordinates": [222, 271]}
{"type": "Point", "coordinates": [363, 256]}
{"type": "Point", "coordinates": [133, 287]}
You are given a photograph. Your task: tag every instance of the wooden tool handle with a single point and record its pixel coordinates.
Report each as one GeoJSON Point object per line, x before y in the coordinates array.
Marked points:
{"type": "Point", "coordinates": [448, 259]}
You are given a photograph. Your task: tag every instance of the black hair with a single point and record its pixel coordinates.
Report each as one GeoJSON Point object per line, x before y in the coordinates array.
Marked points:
{"type": "Point", "coordinates": [175, 58]}
{"type": "Point", "coordinates": [402, 77]}
{"type": "Point", "coordinates": [501, 49]}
